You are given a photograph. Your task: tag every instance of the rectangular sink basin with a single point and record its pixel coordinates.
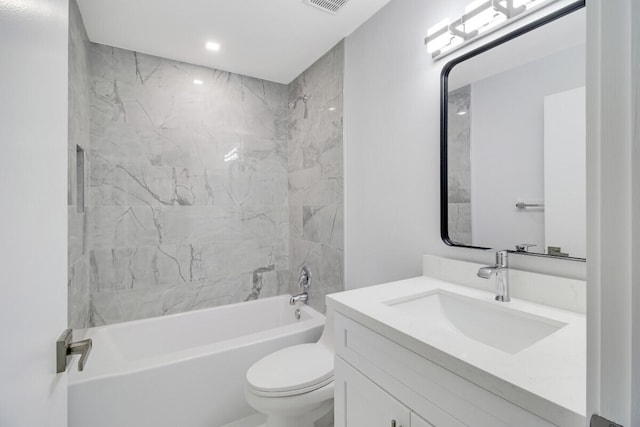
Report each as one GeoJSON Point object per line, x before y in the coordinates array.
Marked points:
{"type": "Point", "coordinates": [498, 326]}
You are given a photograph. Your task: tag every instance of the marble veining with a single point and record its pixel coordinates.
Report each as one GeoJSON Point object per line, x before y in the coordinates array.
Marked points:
{"type": "Point", "coordinates": [315, 172]}
{"type": "Point", "coordinates": [189, 198]}
{"type": "Point", "coordinates": [199, 195]}
{"type": "Point", "coordinates": [459, 165]}
{"type": "Point", "coordinates": [79, 242]}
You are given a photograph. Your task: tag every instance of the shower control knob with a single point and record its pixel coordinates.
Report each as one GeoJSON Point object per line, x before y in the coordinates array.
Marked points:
{"type": "Point", "coordinates": [304, 282]}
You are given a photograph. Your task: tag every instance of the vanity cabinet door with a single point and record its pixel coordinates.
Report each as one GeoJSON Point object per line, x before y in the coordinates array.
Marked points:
{"type": "Point", "coordinates": [361, 403]}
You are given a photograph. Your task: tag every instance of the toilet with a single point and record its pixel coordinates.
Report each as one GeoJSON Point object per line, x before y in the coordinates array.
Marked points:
{"type": "Point", "coordinates": [293, 387]}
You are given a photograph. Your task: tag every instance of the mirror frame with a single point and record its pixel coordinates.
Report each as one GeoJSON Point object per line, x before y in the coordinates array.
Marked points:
{"type": "Point", "coordinates": [444, 122]}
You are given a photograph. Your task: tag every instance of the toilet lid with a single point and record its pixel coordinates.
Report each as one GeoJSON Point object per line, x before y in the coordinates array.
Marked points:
{"type": "Point", "coordinates": [293, 370]}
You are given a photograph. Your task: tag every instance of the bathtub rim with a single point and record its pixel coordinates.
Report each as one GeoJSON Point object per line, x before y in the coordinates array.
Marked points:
{"type": "Point", "coordinates": [126, 367]}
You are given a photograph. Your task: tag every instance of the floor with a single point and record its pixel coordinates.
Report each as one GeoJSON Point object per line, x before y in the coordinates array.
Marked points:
{"type": "Point", "coordinates": [258, 420]}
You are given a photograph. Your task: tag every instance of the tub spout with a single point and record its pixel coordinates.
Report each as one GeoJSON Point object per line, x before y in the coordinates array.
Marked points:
{"type": "Point", "coordinates": [303, 297]}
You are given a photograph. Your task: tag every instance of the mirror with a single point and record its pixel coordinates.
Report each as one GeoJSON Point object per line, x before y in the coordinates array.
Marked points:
{"type": "Point", "coordinates": [513, 137]}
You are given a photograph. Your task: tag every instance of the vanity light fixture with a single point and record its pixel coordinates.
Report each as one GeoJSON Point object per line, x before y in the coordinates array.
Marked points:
{"type": "Point", "coordinates": [481, 17]}
{"type": "Point", "coordinates": [439, 38]}
{"type": "Point", "coordinates": [213, 46]}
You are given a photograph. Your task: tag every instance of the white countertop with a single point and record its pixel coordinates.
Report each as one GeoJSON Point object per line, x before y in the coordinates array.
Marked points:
{"type": "Point", "coordinates": [548, 378]}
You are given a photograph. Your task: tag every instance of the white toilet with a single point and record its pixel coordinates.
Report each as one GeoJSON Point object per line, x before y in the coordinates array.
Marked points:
{"type": "Point", "coordinates": [293, 387]}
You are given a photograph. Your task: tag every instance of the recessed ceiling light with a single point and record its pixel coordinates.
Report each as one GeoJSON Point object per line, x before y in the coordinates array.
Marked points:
{"type": "Point", "coordinates": [197, 82]}
{"type": "Point", "coordinates": [332, 108]}
{"type": "Point", "coordinates": [462, 112]}
{"type": "Point", "coordinates": [213, 46]}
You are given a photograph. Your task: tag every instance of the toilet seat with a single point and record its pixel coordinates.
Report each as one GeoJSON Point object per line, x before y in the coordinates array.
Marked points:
{"type": "Point", "coordinates": [292, 371]}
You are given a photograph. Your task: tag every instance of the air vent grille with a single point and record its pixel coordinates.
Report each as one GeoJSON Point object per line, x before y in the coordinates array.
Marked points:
{"type": "Point", "coordinates": [331, 6]}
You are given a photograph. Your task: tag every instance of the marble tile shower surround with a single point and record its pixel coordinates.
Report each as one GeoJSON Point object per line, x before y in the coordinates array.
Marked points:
{"type": "Point", "coordinates": [189, 199]}
{"type": "Point", "coordinates": [459, 165]}
{"type": "Point", "coordinates": [79, 243]}
{"type": "Point", "coordinates": [315, 170]}
{"type": "Point", "coordinates": [193, 188]}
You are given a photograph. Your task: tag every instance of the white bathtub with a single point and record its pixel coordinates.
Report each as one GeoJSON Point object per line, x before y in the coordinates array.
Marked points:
{"type": "Point", "coordinates": [184, 370]}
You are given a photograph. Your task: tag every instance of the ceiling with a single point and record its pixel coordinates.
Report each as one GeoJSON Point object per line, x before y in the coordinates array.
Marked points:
{"type": "Point", "coordinates": [274, 40]}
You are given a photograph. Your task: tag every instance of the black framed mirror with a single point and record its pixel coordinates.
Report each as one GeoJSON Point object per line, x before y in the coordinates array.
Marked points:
{"type": "Point", "coordinates": [513, 132]}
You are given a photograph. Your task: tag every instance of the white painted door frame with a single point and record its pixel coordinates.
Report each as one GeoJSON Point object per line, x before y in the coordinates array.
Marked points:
{"type": "Point", "coordinates": [33, 218]}
{"type": "Point", "coordinates": [613, 210]}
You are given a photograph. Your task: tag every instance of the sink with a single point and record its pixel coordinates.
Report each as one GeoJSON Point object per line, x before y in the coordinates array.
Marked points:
{"type": "Point", "coordinates": [492, 324]}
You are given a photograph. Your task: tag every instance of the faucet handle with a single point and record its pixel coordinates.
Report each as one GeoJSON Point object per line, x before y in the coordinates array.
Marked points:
{"type": "Point", "coordinates": [502, 258]}
{"type": "Point", "coordinates": [304, 282]}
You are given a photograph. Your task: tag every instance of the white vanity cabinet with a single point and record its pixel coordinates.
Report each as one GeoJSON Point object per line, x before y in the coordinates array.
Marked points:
{"type": "Point", "coordinates": [378, 381]}
{"type": "Point", "coordinates": [368, 405]}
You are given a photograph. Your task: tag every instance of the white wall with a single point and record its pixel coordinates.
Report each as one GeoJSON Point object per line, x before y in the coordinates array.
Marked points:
{"type": "Point", "coordinates": [613, 210]}
{"type": "Point", "coordinates": [507, 148]}
{"type": "Point", "coordinates": [392, 154]}
{"type": "Point", "coordinates": [565, 174]}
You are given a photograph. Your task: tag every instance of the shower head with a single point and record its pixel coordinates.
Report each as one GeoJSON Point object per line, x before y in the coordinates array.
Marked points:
{"type": "Point", "coordinates": [304, 98]}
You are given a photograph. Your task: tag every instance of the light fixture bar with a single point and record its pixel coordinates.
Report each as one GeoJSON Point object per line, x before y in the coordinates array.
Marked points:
{"type": "Point", "coordinates": [460, 21]}
{"type": "Point", "coordinates": [442, 31]}
{"type": "Point", "coordinates": [508, 10]}
{"type": "Point", "coordinates": [462, 34]}
{"type": "Point", "coordinates": [457, 34]}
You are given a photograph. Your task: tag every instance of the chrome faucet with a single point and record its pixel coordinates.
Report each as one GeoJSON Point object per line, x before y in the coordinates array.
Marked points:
{"type": "Point", "coordinates": [303, 283]}
{"type": "Point", "coordinates": [302, 297]}
{"type": "Point", "coordinates": [501, 270]}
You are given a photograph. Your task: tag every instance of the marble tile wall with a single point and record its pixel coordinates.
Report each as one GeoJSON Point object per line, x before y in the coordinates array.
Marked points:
{"type": "Point", "coordinates": [198, 195]}
{"type": "Point", "coordinates": [315, 154]}
{"type": "Point", "coordinates": [459, 165]}
{"type": "Point", "coordinates": [189, 198]}
{"type": "Point", "coordinates": [79, 122]}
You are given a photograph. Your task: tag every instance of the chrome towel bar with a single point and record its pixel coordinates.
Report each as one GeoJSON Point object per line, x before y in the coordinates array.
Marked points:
{"type": "Point", "coordinates": [523, 205]}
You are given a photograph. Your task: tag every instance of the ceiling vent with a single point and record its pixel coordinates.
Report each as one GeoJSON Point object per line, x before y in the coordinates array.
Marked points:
{"type": "Point", "coordinates": [331, 6]}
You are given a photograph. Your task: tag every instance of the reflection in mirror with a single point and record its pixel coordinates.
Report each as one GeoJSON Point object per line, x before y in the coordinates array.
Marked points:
{"type": "Point", "coordinates": [515, 143]}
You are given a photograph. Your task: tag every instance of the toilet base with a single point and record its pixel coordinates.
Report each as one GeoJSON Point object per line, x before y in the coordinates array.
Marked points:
{"type": "Point", "coordinates": [305, 420]}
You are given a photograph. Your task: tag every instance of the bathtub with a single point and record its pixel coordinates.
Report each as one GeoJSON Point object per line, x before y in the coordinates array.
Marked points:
{"type": "Point", "coordinates": [183, 370]}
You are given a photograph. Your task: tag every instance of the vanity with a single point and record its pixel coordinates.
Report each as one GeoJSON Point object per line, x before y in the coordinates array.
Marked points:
{"type": "Point", "coordinates": [451, 348]}
{"type": "Point", "coordinates": [431, 352]}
